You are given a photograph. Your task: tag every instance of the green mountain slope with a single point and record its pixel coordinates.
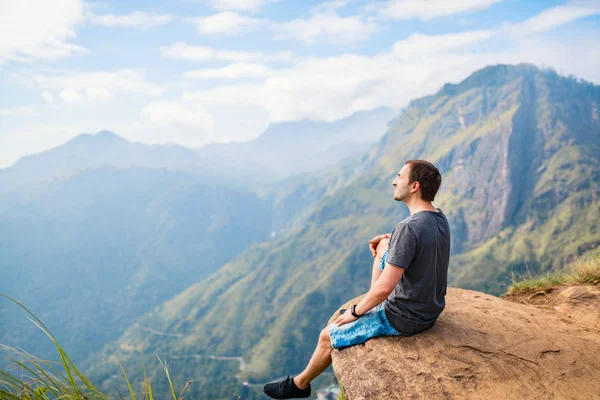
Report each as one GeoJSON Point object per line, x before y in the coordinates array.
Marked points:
{"type": "Point", "coordinates": [519, 152]}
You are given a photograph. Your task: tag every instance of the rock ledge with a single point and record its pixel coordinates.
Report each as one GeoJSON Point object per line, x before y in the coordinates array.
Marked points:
{"type": "Point", "coordinates": [482, 347]}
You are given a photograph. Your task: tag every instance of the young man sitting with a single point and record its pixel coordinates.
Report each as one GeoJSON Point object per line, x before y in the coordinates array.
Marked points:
{"type": "Point", "coordinates": [408, 284]}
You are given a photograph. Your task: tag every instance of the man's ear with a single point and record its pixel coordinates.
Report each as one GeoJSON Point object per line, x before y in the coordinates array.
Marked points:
{"type": "Point", "coordinates": [415, 187]}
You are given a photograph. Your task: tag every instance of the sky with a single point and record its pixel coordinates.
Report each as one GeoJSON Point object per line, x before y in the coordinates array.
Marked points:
{"type": "Point", "coordinates": [192, 72]}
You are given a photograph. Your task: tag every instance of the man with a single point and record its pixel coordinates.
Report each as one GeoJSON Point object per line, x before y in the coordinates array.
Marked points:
{"type": "Point", "coordinates": [408, 284]}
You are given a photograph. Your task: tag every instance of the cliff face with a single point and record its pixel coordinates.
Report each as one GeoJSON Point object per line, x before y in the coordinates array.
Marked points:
{"type": "Point", "coordinates": [482, 347]}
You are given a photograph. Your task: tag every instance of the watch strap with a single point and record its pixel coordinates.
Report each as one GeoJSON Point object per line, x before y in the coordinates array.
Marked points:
{"type": "Point", "coordinates": [353, 311]}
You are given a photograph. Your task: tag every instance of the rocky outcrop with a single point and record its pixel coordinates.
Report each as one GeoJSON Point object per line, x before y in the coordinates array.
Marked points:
{"type": "Point", "coordinates": [482, 347]}
{"type": "Point", "coordinates": [579, 303]}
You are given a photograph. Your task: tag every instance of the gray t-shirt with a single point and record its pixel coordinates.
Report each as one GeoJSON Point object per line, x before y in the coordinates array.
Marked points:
{"type": "Point", "coordinates": [421, 245]}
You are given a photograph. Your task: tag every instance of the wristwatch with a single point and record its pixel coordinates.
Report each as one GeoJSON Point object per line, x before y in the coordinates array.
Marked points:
{"type": "Point", "coordinates": [353, 311]}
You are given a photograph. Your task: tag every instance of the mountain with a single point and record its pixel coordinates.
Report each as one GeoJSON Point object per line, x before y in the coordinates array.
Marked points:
{"type": "Point", "coordinates": [293, 148]}
{"type": "Point", "coordinates": [518, 149]}
{"type": "Point", "coordinates": [90, 253]}
{"type": "Point", "coordinates": [93, 151]}
{"type": "Point", "coordinates": [283, 149]}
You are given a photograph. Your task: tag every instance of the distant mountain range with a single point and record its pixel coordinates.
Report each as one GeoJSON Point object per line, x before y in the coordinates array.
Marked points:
{"type": "Point", "coordinates": [295, 148]}
{"type": "Point", "coordinates": [519, 150]}
{"type": "Point", "coordinates": [284, 149]}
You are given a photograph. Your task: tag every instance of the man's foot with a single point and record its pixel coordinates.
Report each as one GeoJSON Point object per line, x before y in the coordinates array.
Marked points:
{"type": "Point", "coordinates": [286, 389]}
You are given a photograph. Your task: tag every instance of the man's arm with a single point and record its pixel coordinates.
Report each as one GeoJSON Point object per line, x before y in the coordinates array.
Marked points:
{"type": "Point", "coordinates": [381, 289]}
{"type": "Point", "coordinates": [373, 243]}
{"type": "Point", "coordinates": [375, 270]}
{"type": "Point", "coordinates": [382, 247]}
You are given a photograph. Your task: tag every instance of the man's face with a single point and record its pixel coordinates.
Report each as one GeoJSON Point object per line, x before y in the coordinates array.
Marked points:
{"type": "Point", "coordinates": [402, 184]}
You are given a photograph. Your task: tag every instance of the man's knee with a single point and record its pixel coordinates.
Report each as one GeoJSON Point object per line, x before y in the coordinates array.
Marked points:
{"type": "Point", "coordinates": [382, 246]}
{"type": "Point", "coordinates": [324, 338]}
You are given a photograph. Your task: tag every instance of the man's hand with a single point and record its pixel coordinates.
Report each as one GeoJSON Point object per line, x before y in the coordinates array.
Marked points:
{"type": "Point", "coordinates": [344, 318]}
{"type": "Point", "coordinates": [375, 241]}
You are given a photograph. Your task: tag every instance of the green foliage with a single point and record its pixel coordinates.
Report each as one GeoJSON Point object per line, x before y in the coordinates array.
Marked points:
{"type": "Point", "coordinates": [535, 284]}
{"type": "Point", "coordinates": [43, 376]}
{"type": "Point", "coordinates": [587, 270]}
{"type": "Point", "coordinates": [44, 379]}
{"type": "Point", "coordinates": [584, 271]}
{"type": "Point", "coordinates": [342, 395]}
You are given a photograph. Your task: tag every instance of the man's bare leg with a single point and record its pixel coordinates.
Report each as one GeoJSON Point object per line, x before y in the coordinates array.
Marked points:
{"type": "Point", "coordinates": [381, 248]}
{"type": "Point", "coordinates": [320, 360]}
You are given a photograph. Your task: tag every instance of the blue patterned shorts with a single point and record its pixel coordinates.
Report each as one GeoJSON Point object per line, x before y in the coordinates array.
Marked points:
{"type": "Point", "coordinates": [374, 323]}
{"type": "Point", "coordinates": [383, 260]}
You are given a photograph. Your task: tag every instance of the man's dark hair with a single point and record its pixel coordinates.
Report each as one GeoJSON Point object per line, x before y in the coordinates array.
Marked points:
{"type": "Point", "coordinates": [428, 177]}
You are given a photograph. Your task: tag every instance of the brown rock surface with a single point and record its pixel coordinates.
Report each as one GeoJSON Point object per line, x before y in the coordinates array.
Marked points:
{"type": "Point", "coordinates": [482, 347]}
{"type": "Point", "coordinates": [580, 303]}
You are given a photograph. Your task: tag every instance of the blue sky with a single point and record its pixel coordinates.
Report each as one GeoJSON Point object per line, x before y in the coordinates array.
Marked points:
{"type": "Point", "coordinates": [193, 72]}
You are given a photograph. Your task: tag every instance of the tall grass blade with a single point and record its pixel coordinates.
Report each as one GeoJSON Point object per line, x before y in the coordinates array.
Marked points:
{"type": "Point", "coordinates": [147, 387]}
{"type": "Point", "coordinates": [127, 380]}
{"type": "Point", "coordinates": [164, 366]}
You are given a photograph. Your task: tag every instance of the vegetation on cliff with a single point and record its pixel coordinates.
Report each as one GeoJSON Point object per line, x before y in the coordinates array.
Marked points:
{"type": "Point", "coordinates": [584, 271]}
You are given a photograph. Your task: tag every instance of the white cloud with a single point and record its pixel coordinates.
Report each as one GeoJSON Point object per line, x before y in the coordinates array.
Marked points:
{"type": "Point", "coordinates": [139, 20]}
{"type": "Point", "coordinates": [98, 93]}
{"type": "Point", "coordinates": [320, 89]}
{"type": "Point", "coordinates": [31, 29]}
{"type": "Point", "coordinates": [76, 87]}
{"type": "Point", "coordinates": [330, 6]}
{"type": "Point", "coordinates": [70, 95]}
{"type": "Point", "coordinates": [428, 9]}
{"type": "Point", "coordinates": [325, 24]}
{"type": "Point", "coordinates": [553, 18]}
{"type": "Point", "coordinates": [334, 87]}
{"type": "Point", "coordinates": [48, 97]}
{"type": "Point", "coordinates": [232, 71]}
{"type": "Point", "coordinates": [18, 111]}
{"type": "Point", "coordinates": [239, 5]}
{"type": "Point", "coordinates": [165, 113]}
{"type": "Point", "coordinates": [89, 86]}
{"type": "Point", "coordinates": [328, 26]}
{"type": "Point", "coordinates": [227, 23]}
{"type": "Point", "coordinates": [281, 56]}
{"type": "Point", "coordinates": [421, 44]}
{"type": "Point", "coordinates": [183, 51]}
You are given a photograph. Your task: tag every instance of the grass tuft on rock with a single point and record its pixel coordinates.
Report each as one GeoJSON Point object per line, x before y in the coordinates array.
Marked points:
{"type": "Point", "coordinates": [584, 271]}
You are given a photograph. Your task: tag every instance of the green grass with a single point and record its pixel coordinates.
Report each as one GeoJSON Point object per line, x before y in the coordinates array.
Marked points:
{"type": "Point", "coordinates": [584, 271]}
{"type": "Point", "coordinates": [342, 395]}
{"type": "Point", "coordinates": [44, 379]}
